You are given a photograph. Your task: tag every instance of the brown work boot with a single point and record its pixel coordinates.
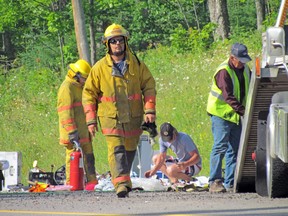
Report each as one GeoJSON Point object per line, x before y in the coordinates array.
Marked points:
{"type": "Point", "coordinates": [122, 191]}
{"type": "Point", "coordinates": [217, 187]}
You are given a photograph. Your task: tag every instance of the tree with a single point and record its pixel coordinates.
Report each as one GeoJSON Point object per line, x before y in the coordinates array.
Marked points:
{"type": "Point", "coordinates": [92, 32]}
{"type": "Point", "coordinates": [260, 11]}
{"type": "Point", "coordinates": [219, 15]}
{"type": "Point", "coordinates": [80, 30]}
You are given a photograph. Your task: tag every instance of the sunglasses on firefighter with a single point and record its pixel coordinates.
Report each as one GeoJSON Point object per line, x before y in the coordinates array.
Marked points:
{"type": "Point", "coordinates": [114, 41]}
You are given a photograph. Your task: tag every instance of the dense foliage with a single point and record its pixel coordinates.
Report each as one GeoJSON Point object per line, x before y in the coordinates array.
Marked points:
{"type": "Point", "coordinates": [42, 32]}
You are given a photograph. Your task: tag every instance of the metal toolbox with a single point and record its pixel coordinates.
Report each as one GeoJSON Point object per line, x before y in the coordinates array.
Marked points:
{"type": "Point", "coordinates": [45, 177]}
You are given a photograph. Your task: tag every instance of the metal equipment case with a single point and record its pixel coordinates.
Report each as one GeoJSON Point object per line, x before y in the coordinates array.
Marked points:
{"type": "Point", "coordinates": [12, 175]}
{"type": "Point", "coordinates": [143, 157]}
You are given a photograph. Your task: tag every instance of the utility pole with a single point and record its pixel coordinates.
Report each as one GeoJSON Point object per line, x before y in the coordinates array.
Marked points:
{"type": "Point", "coordinates": [80, 30]}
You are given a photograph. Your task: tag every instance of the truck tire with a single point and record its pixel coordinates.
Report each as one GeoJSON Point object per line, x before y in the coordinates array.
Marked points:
{"type": "Point", "coordinates": [277, 172]}
{"type": "Point", "coordinates": [260, 177]}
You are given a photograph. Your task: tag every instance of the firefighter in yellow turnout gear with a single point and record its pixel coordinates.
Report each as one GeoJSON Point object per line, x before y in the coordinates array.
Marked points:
{"type": "Point", "coordinates": [72, 124]}
{"type": "Point", "coordinates": [119, 91]}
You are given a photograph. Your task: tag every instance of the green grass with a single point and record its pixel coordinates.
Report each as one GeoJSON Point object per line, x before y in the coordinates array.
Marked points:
{"type": "Point", "coordinates": [29, 121]}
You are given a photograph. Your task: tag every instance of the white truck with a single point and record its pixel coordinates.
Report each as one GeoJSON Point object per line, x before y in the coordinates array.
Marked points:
{"type": "Point", "coordinates": [262, 163]}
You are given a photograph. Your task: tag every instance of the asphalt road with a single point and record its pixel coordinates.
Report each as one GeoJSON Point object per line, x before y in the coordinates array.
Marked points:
{"type": "Point", "coordinates": [139, 203]}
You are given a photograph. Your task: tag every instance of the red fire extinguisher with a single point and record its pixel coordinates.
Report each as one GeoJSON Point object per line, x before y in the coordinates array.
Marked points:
{"type": "Point", "coordinates": [77, 169]}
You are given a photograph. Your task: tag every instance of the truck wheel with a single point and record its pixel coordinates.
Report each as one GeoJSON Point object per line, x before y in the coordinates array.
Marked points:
{"type": "Point", "coordinates": [277, 175]}
{"type": "Point", "coordinates": [260, 177]}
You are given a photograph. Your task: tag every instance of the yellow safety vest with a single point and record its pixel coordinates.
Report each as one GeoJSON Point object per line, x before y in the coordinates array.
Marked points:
{"type": "Point", "coordinates": [216, 104]}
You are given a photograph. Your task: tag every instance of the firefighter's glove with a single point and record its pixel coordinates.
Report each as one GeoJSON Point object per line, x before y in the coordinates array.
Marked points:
{"type": "Point", "coordinates": [151, 128]}
{"type": "Point", "coordinates": [74, 137]}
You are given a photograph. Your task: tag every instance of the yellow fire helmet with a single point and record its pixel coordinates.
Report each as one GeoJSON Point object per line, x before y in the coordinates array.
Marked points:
{"type": "Point", "coordinates": [81, 66]}
{"type": "Point", "coordinates": [113, 31]}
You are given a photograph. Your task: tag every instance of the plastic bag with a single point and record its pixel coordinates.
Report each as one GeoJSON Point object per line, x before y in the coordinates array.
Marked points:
{"type": "Point", "coordinates": [148, 184]}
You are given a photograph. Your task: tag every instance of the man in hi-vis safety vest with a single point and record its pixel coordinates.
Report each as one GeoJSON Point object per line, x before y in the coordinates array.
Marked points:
{"type": "Point", "coordinates": [119, 92]}
{"type": "Point", "coordinates": [226, 106]}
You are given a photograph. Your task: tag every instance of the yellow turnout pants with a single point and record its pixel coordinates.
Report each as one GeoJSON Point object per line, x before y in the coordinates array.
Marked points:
{"type": "Point", "coordinates": [121, 152]}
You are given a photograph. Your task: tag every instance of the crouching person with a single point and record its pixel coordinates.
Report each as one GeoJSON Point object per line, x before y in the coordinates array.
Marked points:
{"type": "Point", "coordinates": [188, 163]}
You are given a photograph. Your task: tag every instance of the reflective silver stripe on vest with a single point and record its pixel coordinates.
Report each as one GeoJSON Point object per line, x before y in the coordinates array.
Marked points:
{"type": "Point", "coordinates": [215, 94]}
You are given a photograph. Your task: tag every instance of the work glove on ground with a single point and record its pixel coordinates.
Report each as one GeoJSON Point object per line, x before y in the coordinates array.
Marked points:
{"type": "Point", "coordinates": [74, 137]}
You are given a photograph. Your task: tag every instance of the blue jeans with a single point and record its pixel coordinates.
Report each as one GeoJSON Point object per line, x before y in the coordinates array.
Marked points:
{"type": "Point", "coordinates": [226, 143]}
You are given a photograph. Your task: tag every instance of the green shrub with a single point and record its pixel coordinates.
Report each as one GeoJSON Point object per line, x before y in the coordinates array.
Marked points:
{"type": "Point", "coordinates": [192, 40]}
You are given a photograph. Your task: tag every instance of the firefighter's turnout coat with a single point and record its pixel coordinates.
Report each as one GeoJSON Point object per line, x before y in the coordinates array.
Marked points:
{"type": "Point", "coordinates": [70, 111]}
{"type": "Point", "coordinates": [71, 119]}
{"type": "Point", "coordinates": [119, 97]}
